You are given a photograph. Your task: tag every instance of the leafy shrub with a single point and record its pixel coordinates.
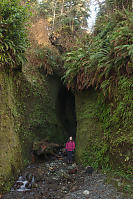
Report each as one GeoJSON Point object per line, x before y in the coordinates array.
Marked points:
{"type": "Point", "coordinates": [13, 33]}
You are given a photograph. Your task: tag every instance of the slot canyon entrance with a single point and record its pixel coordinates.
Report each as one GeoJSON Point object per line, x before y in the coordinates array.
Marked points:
{"type": "Point", "coordinates": [66, 111]}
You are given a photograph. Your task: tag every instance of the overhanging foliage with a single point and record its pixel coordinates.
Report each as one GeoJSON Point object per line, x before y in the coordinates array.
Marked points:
{"type": "Point", "coordinates": [107, 57]}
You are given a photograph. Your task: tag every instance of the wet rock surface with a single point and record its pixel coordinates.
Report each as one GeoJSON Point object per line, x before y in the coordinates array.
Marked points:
{"type": "Point", "coordinates": [55, 179]}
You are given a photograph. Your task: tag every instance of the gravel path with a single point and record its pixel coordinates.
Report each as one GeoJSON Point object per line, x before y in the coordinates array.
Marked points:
{"type": "Point", "coordinates": [57, 180]}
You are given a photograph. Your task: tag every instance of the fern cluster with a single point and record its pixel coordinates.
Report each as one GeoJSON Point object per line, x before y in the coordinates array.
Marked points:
{"type": "Point", "coordinates": [107, 57]}
{"type": "Point", "coordinates": [13, 33]}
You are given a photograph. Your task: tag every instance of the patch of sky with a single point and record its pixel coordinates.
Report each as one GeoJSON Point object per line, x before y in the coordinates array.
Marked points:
{"type": "Point", "coordinates": [94, 9]}
{"type": "Point", "coordinates": [39, 1]}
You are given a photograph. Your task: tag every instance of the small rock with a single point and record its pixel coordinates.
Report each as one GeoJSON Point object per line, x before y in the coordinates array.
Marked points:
{"type": "Point", "coordinates": [72, 171]}
{"type": "Point", "coordinates": [34, 185]}
{"type": "Point", "coordinates": [74, 188]}
{"type": "Point", "coordinates": [89, 170]}
{"type": "Point", "coordinates": [63, 188]}
{"type": "Point", "coordinates": [18, 185]}
{"type": "Point", "coordinates": [28, 186]}
{"type": "Point", "coordinates": [86, 192]}
{"type": "Point", "coordinates": [66, 176]}
{"type": "Point", "coordinates": [74, 165]}
{"type": "Point", "coordinates": [119, 184]}
{"type": "Point", "coordinates": [70, 167]}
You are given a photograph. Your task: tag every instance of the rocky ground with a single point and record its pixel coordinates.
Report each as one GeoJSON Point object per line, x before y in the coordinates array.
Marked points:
{"type": "Point", "coordinates": [55, 179]}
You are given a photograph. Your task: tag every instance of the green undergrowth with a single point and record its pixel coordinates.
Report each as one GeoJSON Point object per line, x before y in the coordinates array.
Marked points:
{"type": "Point", "coordinates": [13, 33]}
{"type": "Point", "coordinates": [104, 62]}
{"type": "Point", "coordinates": [104, 130]}
{"type": "Point", "coordinates": [117, 121]}
{"type": "Point", "coordinates": [120, 180]}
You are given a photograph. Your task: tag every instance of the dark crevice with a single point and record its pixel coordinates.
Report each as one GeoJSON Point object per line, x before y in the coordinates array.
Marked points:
{"type": "Point", "coordinates": [66, 110]}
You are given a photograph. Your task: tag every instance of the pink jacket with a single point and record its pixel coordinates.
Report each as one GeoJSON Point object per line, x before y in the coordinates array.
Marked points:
{"type": "Point", "coordinates": [70, 145]}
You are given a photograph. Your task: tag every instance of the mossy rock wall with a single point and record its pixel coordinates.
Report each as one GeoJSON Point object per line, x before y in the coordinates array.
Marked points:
{"type": "Point", "coordinates": [38, 105]}
{"type": "Point", "coordinates": [28, 113]}
{"type": "Point", "coordinates": [104, 130]}
{"type": "Point", "coordinates": [88, 129]}
{"type": "Point", "coordinates": [10, 147]}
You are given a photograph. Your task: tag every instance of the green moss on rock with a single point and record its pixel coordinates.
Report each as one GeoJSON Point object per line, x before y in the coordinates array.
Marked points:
{"type": "Point", "coordinates": [28, 112]}
{"type": "Point", "coordinates": [10, 148]}
{"type": "Point", "coordinates": [88, 128]}
{"type": "Point", "coordinates": [104, 129]}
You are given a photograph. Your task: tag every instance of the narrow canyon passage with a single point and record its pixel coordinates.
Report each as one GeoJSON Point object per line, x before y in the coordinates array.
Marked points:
{"type": "Point", "coordinates": [47, 47]}
{"type": "Point", "coordinates": [66, 111]}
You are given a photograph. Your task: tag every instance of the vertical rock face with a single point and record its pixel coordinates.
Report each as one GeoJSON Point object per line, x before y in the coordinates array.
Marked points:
{"type": "Point", "coordinates": [88, 129]}
{"type": "Point", "coordinates": [10, 148]}
{"type": "Point", "coordinates": [102, 138]}
{"type": "Point", "coordinates": [32, 107]}
{"type": "Point", "coordinates": [28, 112]}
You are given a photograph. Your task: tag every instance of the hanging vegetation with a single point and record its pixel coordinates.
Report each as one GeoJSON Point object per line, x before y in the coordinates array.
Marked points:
{"type": "Point", "coordinates": [108, 56]}
{"type": "Point", "coordinates": [13, 36]}
{"type": "Point", "coordinates": [104, 61]}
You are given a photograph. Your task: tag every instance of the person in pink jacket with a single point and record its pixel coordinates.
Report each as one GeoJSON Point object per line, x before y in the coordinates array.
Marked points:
{"type": "Point", "coordinates": [70, 147]}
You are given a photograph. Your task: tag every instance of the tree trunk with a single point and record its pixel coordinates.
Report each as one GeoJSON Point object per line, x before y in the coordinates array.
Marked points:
{"type": "Point", "coordinates": [54, 10]}
{"type": "Point", "coordinates": [62, 7]}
